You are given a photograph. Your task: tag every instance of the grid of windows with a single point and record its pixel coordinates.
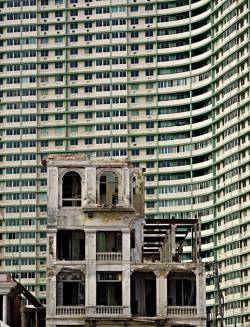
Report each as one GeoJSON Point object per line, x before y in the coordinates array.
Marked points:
{"type": "Point", "coordinates": [132, 80]}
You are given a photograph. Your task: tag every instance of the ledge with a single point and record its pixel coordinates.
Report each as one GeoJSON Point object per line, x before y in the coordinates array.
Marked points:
{"type": "Point", "coordinates": [108, 209]}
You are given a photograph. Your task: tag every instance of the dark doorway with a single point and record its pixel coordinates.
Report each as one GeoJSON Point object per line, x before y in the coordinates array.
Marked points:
{"type": "Point", "coordinates": [70, 293]}
{"type": "Point", "coordinates": [143, 294]}
{"type": "Point", "coordinates": [108, 189]}
{"type": "Point", "coordinates": [71, 192]}
{"type": "Point", "coordinates": [109, 289]}
{"type": "Point", "coordinates": [70, 245]}
{"type": "Point", "coordinates": [181, 289]}
{"type": "Point", "coordinates": [70, 288]}
{"type": "Point", "coordinates": [109, 241]}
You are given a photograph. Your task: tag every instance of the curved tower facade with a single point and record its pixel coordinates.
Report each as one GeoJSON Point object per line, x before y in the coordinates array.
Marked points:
{"type": "Point", "coordinates": [163, 83]}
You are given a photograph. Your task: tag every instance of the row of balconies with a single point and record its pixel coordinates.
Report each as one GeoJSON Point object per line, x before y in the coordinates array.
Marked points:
{"type": "Point", "coordinates": [76, 311]}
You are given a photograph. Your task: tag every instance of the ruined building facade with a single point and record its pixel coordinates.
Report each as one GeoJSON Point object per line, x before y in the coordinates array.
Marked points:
{"type": "Point", "coordinates": [96, 272]}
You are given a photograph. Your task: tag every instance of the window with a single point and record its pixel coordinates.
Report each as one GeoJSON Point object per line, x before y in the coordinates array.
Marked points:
{"type": "Point", "coordinates": [58, 142]}
{"type": "Point", "coordinates": [149, 6]}
{"type": "Point", "coordinates": [150, 152]}
{"type": "Point", "coordinates": [88, 141]}
{"type": "Point", "coordinates": [134, 73]}
{"type": "Point", "coordinates": [135, 152]}
{"type": "Point", "coordinates": [135, 126]}
{"type": "Point", "coordinates": [149, 138]}
{"type": "Point", "coordinates": [134, 61]}
{"type": "Point", "coordinates": [108, 189]}
{"type": "Point", "coordinates": [74, 51]}
{"type": "Point", "coordinates": [59, 116]}
{"type": "Point", "coordinates": [74, 116]}
{"type": "Point", "coordinates": [149, 33]}
{"type": "Point", "coordinates": [149, 46]}
{"type": "Point", "coordinates": [74, 142]}
{"type": "Point", "coordinates": [149, 72]}
{"type": "Point", "coordinates": [134, 8]}
{"type": "Point", "coordinates": [134, 34]}
{"type": "Point", "coordinates": [150, 164]}
{"type": "Point", "coordinates": [58, 14]}
{"type": "Point", "coordinates": [149, 20]}
{"type": "Point", "coordinates": [134, 47]}
{"type": "Point", "coordinates": [150, 204]}
{"type": "Point", "coordinates": [134, 21]}
{"type": "Point", "coordinates": [58, 52]}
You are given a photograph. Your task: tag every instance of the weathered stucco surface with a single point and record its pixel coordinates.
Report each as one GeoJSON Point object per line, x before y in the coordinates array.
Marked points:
{"type": "Point", "coordinates": [93, 217]}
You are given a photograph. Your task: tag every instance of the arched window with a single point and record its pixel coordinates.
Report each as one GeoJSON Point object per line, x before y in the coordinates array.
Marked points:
{"type": "Point", "coordinates": [71, 192]}
{"type": "Point", "coordinates": [108, 188]}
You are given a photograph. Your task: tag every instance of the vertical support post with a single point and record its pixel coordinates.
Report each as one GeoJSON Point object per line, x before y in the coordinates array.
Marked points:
{"type": "Point", "coordinates": [54, 194]}
{"type": "Point", "coordinates": [51, 293]}
{"type": "Point", "coordinates": [90, 279]}
{"type": "Point", "coordinates": [200, 279]}
{"type": "Point", "coordinates": [161, 293]}
{"type": "Point", "coordinates": [126, 188]}
{"type": "Point", "coordinates": [173, 241]}
{"type": "Point", "coordinates": [126, 296]}
{"type": "Point", "coordinates": [199, 238]}
{"type": "Point", "coordinates": [195, 243]}
{"type": "Point", "coordinates": [4, 309]}
{"type": "Point", "coordinates": [126, 245]}
{"type": "Point", "coordinates": [90, 195]}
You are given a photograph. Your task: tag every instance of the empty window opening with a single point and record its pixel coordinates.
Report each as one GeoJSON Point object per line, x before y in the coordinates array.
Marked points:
{"type": "Point", "coordinates": [108, 189]}
{"type": "Point", "coordinates": [70, 245]}
{"type": "Point", "coordinates": [143, 294]}
{"type": "Point", "coordinates": [70, 288]}
{"type": "Point", "coordinates": [181, 289]}
{"type": "Point", "coordinates": [71, 190]}
{"type": "Point", "coordinates": [109, 242]}
{"type": "Point", "coordinates": [109, 288]}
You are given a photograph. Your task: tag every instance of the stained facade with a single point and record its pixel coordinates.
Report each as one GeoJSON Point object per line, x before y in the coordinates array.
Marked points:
{"type": "Point", "coordinates": [97, 274]}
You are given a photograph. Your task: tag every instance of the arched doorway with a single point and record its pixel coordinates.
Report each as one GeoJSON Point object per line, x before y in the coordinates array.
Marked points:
{"type": "Point", "coordinates": [71, 190]}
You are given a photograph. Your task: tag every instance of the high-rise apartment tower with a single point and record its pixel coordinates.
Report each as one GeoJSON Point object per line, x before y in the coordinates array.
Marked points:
{"type": "Point", "coordinates": [164, 83]}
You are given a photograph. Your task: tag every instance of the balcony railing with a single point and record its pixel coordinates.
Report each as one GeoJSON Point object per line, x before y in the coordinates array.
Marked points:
{"type": "Point", "coordinates": [182, 311]}
{"type": "Point", "coordinates": [108, 256]}
{"type": "Point", "coordinates": [108, 310]}
{"type": "Point", "coordinates": [70, 311]}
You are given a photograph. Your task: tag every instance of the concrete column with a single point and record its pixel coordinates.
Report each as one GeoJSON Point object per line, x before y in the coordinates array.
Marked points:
{"type": "Point", "coordinates": [90, 286]}
{"type": "Point", "coordinates": [161, 293]}
{"type": "Point", "coordinates": [126, 298]}
{"type": "Point", "coordinates": [126, 187]}
{"type": "Point", "coordinates": [52, 248]}
{"type": "Point", "coordinates": [53, 194]}
{"type": "Point", "coordinates": [200, 291]}
{"type": "Point", "coordinates": [90, 245]}
{"type": "Point", "coordinates": [126, 245]}
{"type": "Point", "coordinates": [4, 309]}
{"type": "Point", "coordinates": [90, 279]}
{"type": "Point", "coordinates": [51, 293]}
{"type": "Point", "coordinates": [89, 187]}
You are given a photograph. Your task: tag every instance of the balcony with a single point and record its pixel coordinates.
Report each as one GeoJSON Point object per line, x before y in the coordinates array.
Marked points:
{"type": "Point", "coordinates": [70, 311]}
{"type": "Point", "coordinates": [108, 310]}
{"type": "Point", "coordinates": [108, 256]}
{"type": "Point", "coordinates": [180, 311]}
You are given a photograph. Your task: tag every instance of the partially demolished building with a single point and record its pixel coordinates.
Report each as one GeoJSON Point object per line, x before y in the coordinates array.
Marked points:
{"type": "Point", "coordinates": [98, 273]}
